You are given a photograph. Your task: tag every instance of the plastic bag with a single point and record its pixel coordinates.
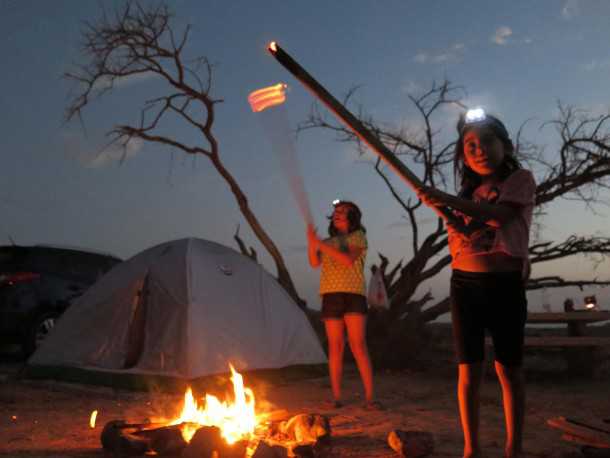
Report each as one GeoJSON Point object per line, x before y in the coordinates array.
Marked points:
{"type": "Point", "coordinates": [377, 295]}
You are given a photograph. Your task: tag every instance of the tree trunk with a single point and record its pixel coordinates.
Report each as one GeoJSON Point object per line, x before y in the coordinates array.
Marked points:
{"type": "Point", "coordinates": [283, 276]}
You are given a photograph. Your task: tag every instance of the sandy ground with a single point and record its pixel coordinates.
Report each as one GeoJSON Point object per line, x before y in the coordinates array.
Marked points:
{"type": "Point", "coordinates": [47, 419]}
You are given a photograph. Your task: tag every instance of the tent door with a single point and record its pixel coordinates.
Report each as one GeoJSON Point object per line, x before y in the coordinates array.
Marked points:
{"type": "Point", "coordinates": [136, 336]}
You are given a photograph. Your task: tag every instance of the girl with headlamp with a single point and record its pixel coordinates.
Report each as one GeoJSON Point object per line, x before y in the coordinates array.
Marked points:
{"type": "Point", "coordinates": [488, 223]}
{"type": "Point", "coordinates": [342, 288]}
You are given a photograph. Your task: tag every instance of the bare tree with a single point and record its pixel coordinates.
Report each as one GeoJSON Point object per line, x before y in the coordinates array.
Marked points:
{"type": "Point", "coordinates": [133, 41]}
{"type": "Point", "coordinates": [580, 170]}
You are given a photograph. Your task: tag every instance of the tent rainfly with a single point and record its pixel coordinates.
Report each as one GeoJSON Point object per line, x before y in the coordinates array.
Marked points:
{"type": "Point", "coordinates": [184, 309]}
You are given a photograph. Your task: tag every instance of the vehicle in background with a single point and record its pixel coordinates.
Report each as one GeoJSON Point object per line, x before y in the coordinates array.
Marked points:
{"type": "Point", "coordinates": [38, 283]}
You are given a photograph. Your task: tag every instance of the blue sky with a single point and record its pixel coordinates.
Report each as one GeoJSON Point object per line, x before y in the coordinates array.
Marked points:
{"type": "Point", "coordinates": [59, 186]}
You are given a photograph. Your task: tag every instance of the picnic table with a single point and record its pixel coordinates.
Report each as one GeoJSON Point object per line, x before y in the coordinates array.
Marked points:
{"type": "Point", "coordinates": [580, 349]}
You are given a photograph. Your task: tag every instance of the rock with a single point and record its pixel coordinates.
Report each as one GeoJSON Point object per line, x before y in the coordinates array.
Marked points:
{"type": "Point", "coordinates": [411, 444]}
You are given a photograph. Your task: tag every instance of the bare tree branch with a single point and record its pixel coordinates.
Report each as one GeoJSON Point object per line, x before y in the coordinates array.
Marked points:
{"type": "Point", "coordinates": [556, 282]}
{"type": "Point", "coordinates": [579, 171]}
{"type": "Point", "coordinates": [138, 40]}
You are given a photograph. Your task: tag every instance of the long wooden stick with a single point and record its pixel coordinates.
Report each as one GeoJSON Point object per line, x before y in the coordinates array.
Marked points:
{"type": "Point", "coordinates": [344, 115]}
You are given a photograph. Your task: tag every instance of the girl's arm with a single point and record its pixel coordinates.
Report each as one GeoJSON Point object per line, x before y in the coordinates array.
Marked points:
{"type": "Point", "coordinates": [495, 215]}
{"type": "Point", "coordinates": [454, 223]}
{"type": "Point", "coordinates": [313, 243]}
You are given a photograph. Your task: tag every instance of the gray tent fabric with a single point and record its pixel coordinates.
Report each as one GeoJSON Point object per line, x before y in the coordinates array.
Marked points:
{"type": "Point", "coordinates": [186, 309]}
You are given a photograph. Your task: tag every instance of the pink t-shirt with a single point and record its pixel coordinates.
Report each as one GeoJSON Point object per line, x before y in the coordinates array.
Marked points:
{"type": "Point", "coordinates": [519, 191]}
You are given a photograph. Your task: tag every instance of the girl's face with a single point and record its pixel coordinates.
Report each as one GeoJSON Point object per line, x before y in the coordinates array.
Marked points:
{"type": "Point", "coordinates": [340, 218]}
{"type": "Point", "coordinates": [483, 151]}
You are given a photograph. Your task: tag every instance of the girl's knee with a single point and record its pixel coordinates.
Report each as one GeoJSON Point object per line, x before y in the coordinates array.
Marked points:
{"type": "Point", "coordinates": [358, 347]}
{"type": "Point", "coordinates": [336, 347]}
{"type": "Point", "coordinates": [510, 374]}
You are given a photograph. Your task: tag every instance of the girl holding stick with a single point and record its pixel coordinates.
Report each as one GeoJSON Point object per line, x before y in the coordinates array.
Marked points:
{"type": "Point", "coordinates": [488, 224]}
{"type": "Point", "coordinates": [342, 289]}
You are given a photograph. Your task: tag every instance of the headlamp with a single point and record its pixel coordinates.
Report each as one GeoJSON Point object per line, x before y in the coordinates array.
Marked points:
{"type": "Point", "coordinates": [336, 202]}
{"type": "Point", "coordinates": [475, 115]}
{"type": "Point", "coordinates": [478, 117]}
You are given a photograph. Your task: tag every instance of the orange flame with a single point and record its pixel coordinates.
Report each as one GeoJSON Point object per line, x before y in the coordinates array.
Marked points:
{"type": "Point", "coordinates": [92, 419]}
{"type": "Point", "coordinates": [267, 97]}
{"type": "Point", "coordinates": [236, 420]}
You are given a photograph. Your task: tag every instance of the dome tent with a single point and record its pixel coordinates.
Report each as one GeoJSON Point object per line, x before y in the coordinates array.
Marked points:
{"type": "Point", "coordinates": [182, 309]}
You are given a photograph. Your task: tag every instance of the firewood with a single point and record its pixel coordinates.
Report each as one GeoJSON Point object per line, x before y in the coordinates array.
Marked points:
{"type": "Point", "coordinates": [585, 434]}
{"type": "Point", "coordinates": [236, 450]}
{"type": "Point", "coordinates": [304, 428]}
{"type": "Point", "coordinates": [119, 440]}
{"type": "Point", "coordinates": [167, 441]}
{"type": "Point", "coordinates": [264, 450]}
{"type": "Point", "coordinates": [304, 451]}
{"type": "Point", "coordinates": [411, 444]}
{"type": "Point", "coordinates": [209, 443]}
{"type": "Point", "coordinates": [204, 443]}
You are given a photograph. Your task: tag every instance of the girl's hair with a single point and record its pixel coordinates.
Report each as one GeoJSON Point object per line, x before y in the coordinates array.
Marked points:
{"type": "Point", "coordinates": [469, 180]}
{"type": "Point", "coordinates": [354, 215]}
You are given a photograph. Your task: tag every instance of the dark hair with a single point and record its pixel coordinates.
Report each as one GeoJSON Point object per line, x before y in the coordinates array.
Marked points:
{"type": "Point", "coordinates": [354, 215]}
{"type": "Point", "coordinates": [469, 180]}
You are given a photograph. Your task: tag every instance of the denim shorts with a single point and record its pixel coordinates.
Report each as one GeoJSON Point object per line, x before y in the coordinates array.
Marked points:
{"type": "Point", "coordinates": [335, 305]}
{"type": "Point", "coordinates": [492, 301]}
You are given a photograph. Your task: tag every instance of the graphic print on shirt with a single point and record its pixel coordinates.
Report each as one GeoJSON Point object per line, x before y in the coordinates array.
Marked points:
{"type": "Point", "coordinates": [481, 236]}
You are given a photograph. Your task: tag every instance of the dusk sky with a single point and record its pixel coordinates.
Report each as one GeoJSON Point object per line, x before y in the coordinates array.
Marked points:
{"type": "Point", "coordinates": [59, 186]}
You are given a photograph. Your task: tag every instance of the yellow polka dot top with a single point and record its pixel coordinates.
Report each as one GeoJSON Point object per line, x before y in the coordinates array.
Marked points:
{"type": "Point", "coordinates": [338, 278]}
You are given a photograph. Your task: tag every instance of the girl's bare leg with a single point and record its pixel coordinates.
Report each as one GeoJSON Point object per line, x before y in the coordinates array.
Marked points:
{"type": "Point", "coordinates": [513, 395]}
{"type": "Point", "coordinates": [335, 333]}
{"type": "Point", "coordinates": [469, 390]}
{"type": "Point", "coordinates": [356, 333]}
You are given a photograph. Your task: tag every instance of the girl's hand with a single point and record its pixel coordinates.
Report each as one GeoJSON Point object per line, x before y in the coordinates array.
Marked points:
{"type": "Point", "coordinates": [312, 237]}
{"type": "Point", "coordinates": [430, 196]}
{"type": "Point", "coordinates": [456, 229]}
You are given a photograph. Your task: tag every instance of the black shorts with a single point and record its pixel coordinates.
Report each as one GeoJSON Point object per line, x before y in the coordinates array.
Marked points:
{"type": "Point", "coordinates": [335, 305]}
{"type": "Point", "coordinates": [492, 301]}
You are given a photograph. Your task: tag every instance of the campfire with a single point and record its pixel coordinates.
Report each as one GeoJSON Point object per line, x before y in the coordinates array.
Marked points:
{"type": "Point", "coordinates": [220, 429]}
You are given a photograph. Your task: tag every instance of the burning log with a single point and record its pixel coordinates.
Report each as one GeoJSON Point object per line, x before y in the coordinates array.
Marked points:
{"type": "Point", "coordinates": [120, 440]}
{"type": "Point", "coordinates": [264, 450]}
{"type": "Point", "coordinates": [411, 444]}
{"type": "Point", "coordinates": [165, 440]}
{"type": "Point", "coordinates": [209, 443]}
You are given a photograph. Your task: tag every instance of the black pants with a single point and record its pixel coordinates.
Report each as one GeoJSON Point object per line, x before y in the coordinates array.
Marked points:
{"type": "Point", "coordinates": [336, 305]}
{"type": "Point", "coordinates": [492, 301]}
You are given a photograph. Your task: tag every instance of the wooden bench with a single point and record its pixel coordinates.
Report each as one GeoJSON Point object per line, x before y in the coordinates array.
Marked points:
{"type": "Point", "coordinates": [566, 341]}
{"type": "Point", "coordinates": [579, 349]}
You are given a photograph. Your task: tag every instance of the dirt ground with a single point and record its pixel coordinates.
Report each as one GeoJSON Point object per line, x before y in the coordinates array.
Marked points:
{"type": "Point", "coordinates": [50, 419]}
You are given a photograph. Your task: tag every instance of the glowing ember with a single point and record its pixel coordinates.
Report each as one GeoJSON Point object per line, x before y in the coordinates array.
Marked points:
{"type": "Point", "coordinates": [92, 419]}
{"type": "Point", "coordinates": [267, 97]}
{"type": "Point", "coordinates": [236, 420]}
{"type": "Point", "coordinates": [272, 46]}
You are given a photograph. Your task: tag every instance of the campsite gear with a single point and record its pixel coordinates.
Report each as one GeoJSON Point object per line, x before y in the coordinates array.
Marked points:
{"type": "Point", "coordinates": [182, 309]}
{"type": "Point", "coordinates": [377, 295]}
